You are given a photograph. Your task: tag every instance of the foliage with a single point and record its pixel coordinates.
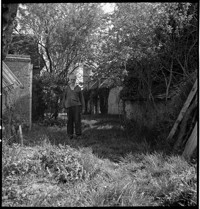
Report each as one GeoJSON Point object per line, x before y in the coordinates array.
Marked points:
{"type": "Point", "coordinates": [142, 34]}
{"type": "Point", "coordinates": [38, 103]}
{"type": "Point", "coordinates": [147, 39]}
{"type": "Point", "coordinates": [62, 32]}
{"type": "Point", "coordinates": [9, 12]}
{"type": "Point", "coordinates": [177, 55]}
{"type": "Point", "coordinates": [132, 86]}
{"type": "Point", "coordinates": [47, 95]}
{"type": "Point", "coordinates": [140, 41]}
{"type": "Point", "coordinates": [26, 45]}
{"type": "Point", "coordinates": [63, 42]}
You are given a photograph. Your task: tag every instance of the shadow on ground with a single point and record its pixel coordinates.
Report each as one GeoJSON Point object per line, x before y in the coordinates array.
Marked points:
{"type": "Point", "coordinates": [104, 134]}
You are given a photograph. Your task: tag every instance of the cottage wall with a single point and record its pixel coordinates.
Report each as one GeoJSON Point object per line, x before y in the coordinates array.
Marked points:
{"type": "Point", "coordinates": [115, 106]}
{"type": "Point", "coordinates": [21, 99]}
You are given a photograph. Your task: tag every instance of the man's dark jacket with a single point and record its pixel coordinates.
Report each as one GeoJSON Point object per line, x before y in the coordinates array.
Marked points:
{"type": "Point", "coordinates": [73, 97]}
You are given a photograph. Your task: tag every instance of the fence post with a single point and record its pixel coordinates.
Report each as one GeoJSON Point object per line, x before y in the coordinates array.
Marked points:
{"type": "Point", "coordinates": [21, 135]}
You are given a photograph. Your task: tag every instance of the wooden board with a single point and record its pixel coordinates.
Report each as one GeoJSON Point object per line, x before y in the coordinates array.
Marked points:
{"type": "Point", "coordinates": [184, 123]}
{"type": "Point", "coordinates": [183, 110]}
{"type": "Point", "coordinates": [191, 144]}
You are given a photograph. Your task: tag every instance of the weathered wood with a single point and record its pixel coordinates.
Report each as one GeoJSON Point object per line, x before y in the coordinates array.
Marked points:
{"type": "Point", "coordinates": [191, 144]}
{"type": "Point", "coordinates": [190, 128]}
{"type": "Point", "coordinates": [183, 110]}
{"type": "Point", "coordinates": [184, 124]}
{"type": "Point", "coordinates": [31, 97]}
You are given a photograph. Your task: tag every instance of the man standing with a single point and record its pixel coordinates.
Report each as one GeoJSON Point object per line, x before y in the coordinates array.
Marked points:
{"type": "Point", "coordinates": [74, 103]}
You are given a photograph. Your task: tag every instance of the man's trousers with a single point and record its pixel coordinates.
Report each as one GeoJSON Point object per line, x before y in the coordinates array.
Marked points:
{"type": "Point", "coordinates": [74, 119]}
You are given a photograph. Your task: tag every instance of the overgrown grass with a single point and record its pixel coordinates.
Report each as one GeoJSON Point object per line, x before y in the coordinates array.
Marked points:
{"type": "Point", "coordinates": [104, 168]}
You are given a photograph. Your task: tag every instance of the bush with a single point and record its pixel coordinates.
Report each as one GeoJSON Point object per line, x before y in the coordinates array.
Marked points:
{"type": "Point", "coordinates": [47, 94]}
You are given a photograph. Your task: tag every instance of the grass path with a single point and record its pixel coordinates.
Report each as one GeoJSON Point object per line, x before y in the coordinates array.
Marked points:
{"type": "Point", "coordinates": [104, 134]}
{"type": "Point", "coordinates": [106, 167]}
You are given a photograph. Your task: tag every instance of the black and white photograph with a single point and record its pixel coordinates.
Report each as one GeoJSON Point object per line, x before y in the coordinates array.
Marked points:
{"type": "Point", "coordinates": [99, 104]}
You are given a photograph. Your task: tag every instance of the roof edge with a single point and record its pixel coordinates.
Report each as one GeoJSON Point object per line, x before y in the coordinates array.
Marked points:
{"type": "Point", "coordinates": [10, 76]}
{"type": "Point", "coordinates": [14, 57]}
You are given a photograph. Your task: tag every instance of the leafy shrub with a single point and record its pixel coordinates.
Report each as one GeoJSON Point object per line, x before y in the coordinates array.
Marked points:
{"type": "Point", "coordinates": [47, 94]}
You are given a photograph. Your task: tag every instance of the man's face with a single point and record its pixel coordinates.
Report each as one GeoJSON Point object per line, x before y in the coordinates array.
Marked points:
{"type": "Point", "coordinates": [72, 79]}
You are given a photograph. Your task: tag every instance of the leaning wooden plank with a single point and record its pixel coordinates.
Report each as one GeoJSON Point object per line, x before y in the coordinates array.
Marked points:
{"type": "Point", "coordinates": [184, 123]}
{"type": "Point", "coordinates": [183, 110]}
{"type": "Point", "coordinates": [191, 144]}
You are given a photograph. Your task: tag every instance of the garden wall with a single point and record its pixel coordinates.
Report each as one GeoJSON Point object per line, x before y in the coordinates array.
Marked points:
{"type": "Point", "coordinates": [147, 114]}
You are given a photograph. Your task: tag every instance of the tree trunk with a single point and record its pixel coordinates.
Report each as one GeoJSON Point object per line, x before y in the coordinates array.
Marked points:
{"type": "Point", "coordinates": [48, 55]}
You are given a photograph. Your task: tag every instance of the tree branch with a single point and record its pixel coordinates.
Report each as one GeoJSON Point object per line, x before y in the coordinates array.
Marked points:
{"type": "Point", "coordinates": [170, 79]}
{"type": "Point", "coordinates": [48, 55]}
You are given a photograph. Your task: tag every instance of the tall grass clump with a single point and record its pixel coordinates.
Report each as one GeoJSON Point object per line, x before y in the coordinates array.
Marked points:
{"type": "Point", "coordinates": [163, 180]}
{"type": "Point", "coordinates": [62, 176]}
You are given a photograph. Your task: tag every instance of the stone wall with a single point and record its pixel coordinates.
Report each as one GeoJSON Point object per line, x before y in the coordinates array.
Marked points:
{"type": "Point", "coordinates": [21, 99]}
{"type": "Point", "coordinates": [145, 113]}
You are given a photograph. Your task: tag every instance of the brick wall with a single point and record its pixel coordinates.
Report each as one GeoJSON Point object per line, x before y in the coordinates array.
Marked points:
{"type": "Point", "coordinates": [21, 99]}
